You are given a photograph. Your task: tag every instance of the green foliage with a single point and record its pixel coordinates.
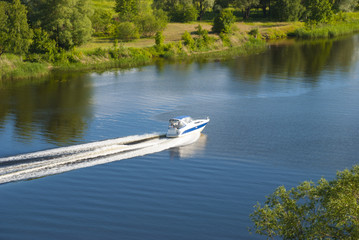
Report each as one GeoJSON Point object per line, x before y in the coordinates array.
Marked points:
{"type": "Point", "coordinates": [66, 21]}
{"type": "Point", "coordinates": [318, 11]}
{"type": "Point", "coordinates": [202, 6]}
{"type": "Point", "coordinates": [159, 39]}
{"type": "Point", "coordinates": [102, 22]}
{"type": "Point", "coordinates": [327, 31]}
{"type": "Point", "coordinates": [223, 21]}
{"type": "Point", "coordinates": [345, 5]}
{"type": "Point", "coordinates": [287, 10]}
{"type": "Point", "coordinates": [254, 32]}
{"type": "Point", "coordinates": [188, 40]}
{"type": "Point", "coordinates": [15, 33]}
{"type": "Point", "coordinates": [221, 4]}
{"type": "Point", "coordinates": [126, 31]}
{"type": "Point", "coordinates": [127, 9]}
{"type": "Point", "coordinates": [226, 41]}
{"type": "Point", "coordinates": [246, 5]}
{"type": "Point", "coordinates": [3, 26]}
{"type": "Point", "coordinates": [326, 210]}
{"type": "Point", "coordinates": [149, 23]}
{"type": "Point", "coordinates": [42, 43]}
{"type": "Point", "coordinates": [203, 41]}
{"type": "Point", "coordinates": [183, 13]}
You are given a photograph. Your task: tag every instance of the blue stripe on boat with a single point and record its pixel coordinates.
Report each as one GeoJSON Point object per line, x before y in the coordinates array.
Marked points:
{"type": "Point", "coordinates": [195, 128]}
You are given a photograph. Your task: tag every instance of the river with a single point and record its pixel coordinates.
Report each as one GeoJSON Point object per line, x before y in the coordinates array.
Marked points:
{"type": "Point", "coordinates": [281, 117]}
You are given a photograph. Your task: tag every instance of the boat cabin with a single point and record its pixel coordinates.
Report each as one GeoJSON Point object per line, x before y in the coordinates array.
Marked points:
{"type": "Point", "coordinates": [180, 122]}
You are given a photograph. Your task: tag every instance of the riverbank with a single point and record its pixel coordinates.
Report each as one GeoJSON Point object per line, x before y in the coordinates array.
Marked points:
{"type": "Point", "coordinates": [104, 53]}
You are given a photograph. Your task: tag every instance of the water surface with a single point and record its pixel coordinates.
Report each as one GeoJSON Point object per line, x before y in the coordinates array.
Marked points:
{"type": "Point", "coordinates": [278, 118]}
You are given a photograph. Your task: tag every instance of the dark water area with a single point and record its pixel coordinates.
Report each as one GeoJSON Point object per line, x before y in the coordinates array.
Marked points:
{"type": "Point", "coordinates": [281, 117]}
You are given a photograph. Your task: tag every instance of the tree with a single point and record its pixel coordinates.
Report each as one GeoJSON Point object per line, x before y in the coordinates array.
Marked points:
{"type": "Point", "coordinates": [202, 6]}
{"type": "Point", "coordinates": [220, 4]}
{"type": "Point", "coordinates": [15, 33]}
{"type": "Point", "coordinates": [149, 23]}
{"type": "Point", "coordinates": [264, 4]}
{"type": "Point", "coordinates": [223, 21]}
{"type": "Point", "coordinates": [126, 31]}
{"type": "Point", "coordinates": [287, 10]}
{"type": "Point", "coordinates": [127, 9]}
{"type": "Point", "coordinates": [102, 21]}
{"type": "Point", "coordinates": [183, 12]}
{"type": "Point", "coordinates": [66, 21]}
{"type": "Point", "coordinates": [246, 5]}
{"type": "Point", "coordinates": [345, 5]}
{"type": "Point", "coordinates": [3, 26]}
{"type": "Point", "coordinates": [326, 210]}
{"type": "Point", "coordinates": [318, 11]}
{"type": "Point", "coordinates": [42, 44]}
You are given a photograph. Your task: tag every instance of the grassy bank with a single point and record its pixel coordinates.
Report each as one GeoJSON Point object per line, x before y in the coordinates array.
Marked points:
{"type": "Point", "coordinates": [12, 66]}
{"type": "Point", "coordinates": [347, 24]}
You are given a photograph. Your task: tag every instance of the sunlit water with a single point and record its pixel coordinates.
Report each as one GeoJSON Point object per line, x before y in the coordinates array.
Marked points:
{"type": "Point", "coordinates": [278, 118]}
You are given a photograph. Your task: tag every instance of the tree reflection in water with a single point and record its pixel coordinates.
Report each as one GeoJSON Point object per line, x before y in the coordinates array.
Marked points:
{"type": "Point", "coordinates": [298, 59]}
{"type": "Point", "coordinates": [57, 107]}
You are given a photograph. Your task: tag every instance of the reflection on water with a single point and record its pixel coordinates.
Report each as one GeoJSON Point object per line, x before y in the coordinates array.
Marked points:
{"type": "Point", "coordinates": [188, 151]}
{"type": "Point", "coordinates": [299, 59]}
{"type": "Point", "coordinates": [58, 107]}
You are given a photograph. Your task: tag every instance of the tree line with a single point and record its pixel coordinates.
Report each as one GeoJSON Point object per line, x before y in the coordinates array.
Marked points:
{"type": "Point", "coordinates": [51, 26]}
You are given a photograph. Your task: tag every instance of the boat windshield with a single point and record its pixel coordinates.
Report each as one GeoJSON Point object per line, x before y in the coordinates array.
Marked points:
{"type": "Point", "coordinates": [180, 123]}
{"type": "Point", "coordinates": [175, 123]}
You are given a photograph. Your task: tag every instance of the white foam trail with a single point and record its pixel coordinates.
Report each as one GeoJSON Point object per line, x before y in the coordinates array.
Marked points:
{"type": "Point", "coordinates": [54, 161]}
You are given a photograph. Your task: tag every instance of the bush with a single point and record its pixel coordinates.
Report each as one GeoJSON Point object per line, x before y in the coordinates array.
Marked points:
{"type": "Point", "coordinates": [254, 32]}
{"type": "Point", "coordinates": [126, 31]}
{"type": "Point", "coordinates": [159, 38]}
{"type": "Point", "coordinates": [225, 39]}
{"type": "Point", "coordinates": [203, 39]}
{"type": "Point", "coordinates": [149, 24]}
{"type": "Point", "coordinates": [42, 44]}
{"type": "Point", "coordinates": [188, 40]}
{"type": "Point", "coordinates": [223, 21]}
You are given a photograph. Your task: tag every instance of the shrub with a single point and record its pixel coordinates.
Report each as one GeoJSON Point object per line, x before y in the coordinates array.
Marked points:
{"type": "Point", "coordinates": [126, 31]}
{"type": "Point", "coordinates": [203, 39]}
{"type": "Point", "coordinates": [223, 21]}
{"type": "Point", "coordinates": [254, 32]}
{"type": "Point", "coordinates": [42, 44]}
{"type": "Point", "coordinates": [159, 38]}
{"type": "Point", "coordinates": [149, 24]}
{"type": "Point", "coordinates": [188, 40]}
{"type": "Point", "coordinates": [225, 39]}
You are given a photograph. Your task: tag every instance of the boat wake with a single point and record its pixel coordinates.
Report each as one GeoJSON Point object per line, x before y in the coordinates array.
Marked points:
{"type": "Point", "coordinates": [59, 160]}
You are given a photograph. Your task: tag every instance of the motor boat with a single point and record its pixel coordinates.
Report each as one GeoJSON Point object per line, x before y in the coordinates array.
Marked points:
{"type": "Point", "coordinates": [184, 125]}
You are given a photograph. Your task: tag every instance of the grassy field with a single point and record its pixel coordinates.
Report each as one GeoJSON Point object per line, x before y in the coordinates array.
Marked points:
{"type": "Point", "coordinates": [174, 32]}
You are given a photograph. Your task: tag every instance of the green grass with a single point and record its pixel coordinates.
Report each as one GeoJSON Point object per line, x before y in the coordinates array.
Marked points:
{"type": "Point", "coordinates": [327, 31]}
{"type": "Point", "coordinates": [346, 23]}
{"type": "Point", "coordinates": [12, 66]}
